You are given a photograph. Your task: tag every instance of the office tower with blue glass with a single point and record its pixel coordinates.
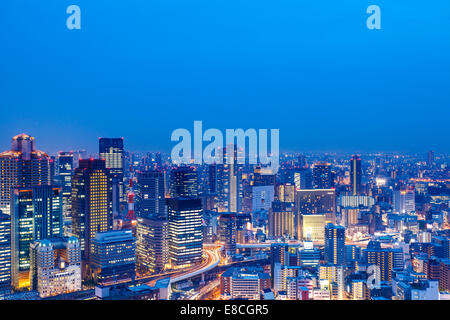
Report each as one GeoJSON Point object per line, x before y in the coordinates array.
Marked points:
{"type": "Point", "coordinates": [185, 231]}
{"type": "Point", "coordinates": [36, 214]}
{"type": "Point", "coordinates": [150, 200]}
{"type": "Point", "coordinates": [334, 244]}
{"type": "Point", "coordinates": [112, 151]}
{"type": "Point", "coordinates": [113, 256]}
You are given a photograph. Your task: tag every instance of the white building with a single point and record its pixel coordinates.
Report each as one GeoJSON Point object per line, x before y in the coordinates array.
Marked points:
{"type": "Point", "coordinates": [56, 266]}
{"type": "Point", "coordinates": [404, 201]}
{"type": "Point", "coordinates": [263, 197]}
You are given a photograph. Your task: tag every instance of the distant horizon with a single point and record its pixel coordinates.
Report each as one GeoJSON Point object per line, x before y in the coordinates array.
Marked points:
{"type": "Point", "coordinates": [141, 69]}
{"type": "Point", "coordinates": [4, 146]}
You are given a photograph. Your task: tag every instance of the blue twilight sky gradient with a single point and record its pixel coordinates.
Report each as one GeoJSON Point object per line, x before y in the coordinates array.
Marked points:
{"type": "Point", "coordinates": [141, 68]}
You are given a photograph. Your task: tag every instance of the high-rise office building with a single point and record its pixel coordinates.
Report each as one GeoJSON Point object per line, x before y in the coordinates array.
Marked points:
{"type": "Point", "coordinates": [56, 266]}
{"type": "Point", "coordinates": [279, 256]}
{"type": "Point", "coordinates": [22, 166]}
{"type": "Point", "coordinates": [303, 179]}
{"type": "Point", "coordinates": [36, 214]}
{"type": "Point", "coordinates": [316, 201]}
{"type": "Point", "coordinates": [5, 254]}
{"type": "Point", "coordinates": [47, 211]}
{"type": "Point", "coordinates": [185, 231]}
{"type": "Point", "coordinates": [285, 192]}
{"type": "Point", "coordinates": [91, 202]}
{"type": "Point", "coordinates": [355, 175]}
{"type": "Point", "coordinates": [112, 151]}
{"type": "Point", "coordinates": [227, 233]}
{"type": "Point", "coordinates": [382, 257]}
{"type": "Point", "coordinates": [282, 219]}
{"type": "Point", "coordinates": [335, 244]}
{"type": "Point", "coordinates": [150, 193]}
{"type": "Point", "coordinates": [64, 172]}
{"type": "Point", "coordinates": [229, 180]}
{"type": "Point", "coordinates": [183, 182]}
{"type": "Point", "coordinates": [322, 176]}
{"type": "Point", "coordinates": [113, 256]}
{"type": "Point", "coordinates": [430, 158]}
{"type": "Point", "coordinates": [152, 245]}
{"type": "Point", "coordinates": [404, 201]}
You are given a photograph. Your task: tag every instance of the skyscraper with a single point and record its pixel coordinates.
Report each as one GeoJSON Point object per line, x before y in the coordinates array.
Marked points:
{"type": "Point", "coordinates": [151, 194]}
{"type": "Point", "coordinates": [383, 258]}
{"type": "Point", "coordinates": [22, 166]}
{"type": "Point", "coordinates": [282, 219]}
{"type": "Point", "coordinates": [227, 233]}
{"type": "Point", "coordinates": [404, 200]}
{"type": "Point", "coordinates": [185, 231]}
{"type": "Point", "coordinates": [335, 244]}
{"type": "Point", "coordinates": [36, 214]}
{"type": "Point", "coordinates": [64, 172]}
{"type": "Point", "coordinates": [91, 202]}
{"type": "Point", "coordinates": [322, 176]}
{"type": "Point", "coordinates": [183, 182]}
{"type": "Point", "coordinates": [152, 244]}
{"type": "Point", "coordinates": [113, 256]}
{"type": "Point", "coordinates": [303, 178]}
{"type": "Point", "coordinates": [5, 254]}
{"type": "Point", "coordinates": [111, 150]}
{"type": "Point", "coordinates": [355, 175]}
{"type": "Point", "coordinates": [430, 158]}
{"type": "Point", "coordinates": [229, 180]}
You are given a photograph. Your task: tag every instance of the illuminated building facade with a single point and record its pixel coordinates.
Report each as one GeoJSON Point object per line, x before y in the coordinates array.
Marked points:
{"type": "Point", "coordinates": [5, 254]}
{"type": "Point", "coordinates": [22, 166]}
{"type": "Point", "coordinates": [334, 244]}
{"type": "Point", "coordinates": [183, 183]}
{"type": "Point", "coordinates": [229, 180]}
{"type": "Point", "coordinates": [244, 283]}
{"type": "Point", "coordinates": [312, 227]}
{"type": "Point", "coordinates": [111, 150]}
{"type": "Point", "coordinates": [282, 219]}
{"type": "Point", "coordinates": [36, 214]}
{"type": "Point", "coordinates": [322, 176]}
{"type": "Point", "coordinates": [113, 256]}
{"type": "Point", "coordinates": [262, 197]}
{"type": "Point", "coordinates": [404, 201]}
{"type": "Point", "coordinates": [185, 231]}
{"type": "Point", "coordinates": [151, 194]}
{"type": "Point", "coordinates": [152, 246]}
{"type": "Point", "coordinates": [56, 266]}
{"type": "Point", "coordinates": [227, 233]}
{"type": "Point", "coordinates": [91, 202]}
{"type": "Point", "coordinates": [383, 258]}
{"type": "Point", "coordinates": [64, 172]}
{"type": "Point", "coordinates": [334, 276]}
{"type": "Point", "coordinates": [355, 175]}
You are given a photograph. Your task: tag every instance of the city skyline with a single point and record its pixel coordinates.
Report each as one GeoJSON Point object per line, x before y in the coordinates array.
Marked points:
{"type": "Point", "coordinates": [240, 153]}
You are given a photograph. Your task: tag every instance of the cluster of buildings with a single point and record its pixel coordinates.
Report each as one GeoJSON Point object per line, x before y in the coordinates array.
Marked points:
{"type": "Point", "coordinates": [322, 227]}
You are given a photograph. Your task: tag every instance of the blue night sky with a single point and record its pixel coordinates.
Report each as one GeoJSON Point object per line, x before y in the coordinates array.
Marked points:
{"type": "Point", "coordinates": [139, 69]}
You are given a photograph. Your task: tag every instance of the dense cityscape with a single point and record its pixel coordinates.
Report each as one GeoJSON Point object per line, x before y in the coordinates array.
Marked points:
{"type": "Point", "coordinates": [122, 225]}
